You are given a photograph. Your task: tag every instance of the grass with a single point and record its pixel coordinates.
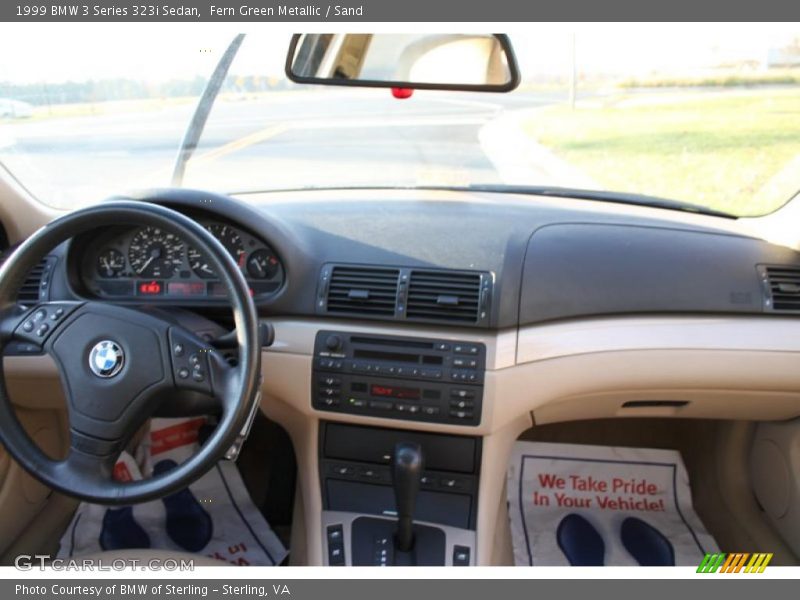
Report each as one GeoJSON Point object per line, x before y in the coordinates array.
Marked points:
{"type": "Point", "coordinates": [724, 79]}
{"type": "Point", "coordinates": [728, 150]}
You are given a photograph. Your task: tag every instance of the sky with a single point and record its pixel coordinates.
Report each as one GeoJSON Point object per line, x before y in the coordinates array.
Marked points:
{"type": "Point", "coordinates": [156, 52]}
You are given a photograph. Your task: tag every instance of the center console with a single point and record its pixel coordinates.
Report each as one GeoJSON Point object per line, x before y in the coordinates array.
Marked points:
{"type": "Point", "coordinates": [394, 496]}
{"type": "Point", "coordinates": [417, 379]}
{"type": "Point", "coordinates": [381, 487]}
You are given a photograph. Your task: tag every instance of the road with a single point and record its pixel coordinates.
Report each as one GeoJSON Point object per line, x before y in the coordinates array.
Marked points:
{"type": "Point", "coordinates": [326, 137]}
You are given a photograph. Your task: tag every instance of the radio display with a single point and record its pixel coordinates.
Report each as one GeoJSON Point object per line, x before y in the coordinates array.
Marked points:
{"type": "Point", "coordinates": [387, 391]}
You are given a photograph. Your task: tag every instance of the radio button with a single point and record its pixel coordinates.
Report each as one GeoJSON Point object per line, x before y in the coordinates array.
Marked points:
{"type": "Point", "coordinates": [459, 393]}
{"type": "Point", "coordinates": [465, 349]}
{"type": "Point", "coordinates": [330, 381]}
{"type": "Point", "coordinates": [327, 363]}
{"type": "Point", "coordinates": [461, 414]}
{"type": "Point", "coordinates": [381, 405]}
{"type": "Point", "coordinates": [467, 363]}
{"type": "Point", "coordinates": [430, 411]}
{"type": "Point", "coordinates": [356, 402]}
{"type": "Point", "coordinates": [329, 401]}
{"type": "Point", "coordinates": [329, 392]}
{"type": "Point", "coordinates": [442, 347]}
{"type": "Point", "coordinates": [462, 404]}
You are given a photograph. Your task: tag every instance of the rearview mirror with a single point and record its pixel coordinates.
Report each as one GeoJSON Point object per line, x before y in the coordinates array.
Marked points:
{"type": "Point", "coordinates": [483, 63]}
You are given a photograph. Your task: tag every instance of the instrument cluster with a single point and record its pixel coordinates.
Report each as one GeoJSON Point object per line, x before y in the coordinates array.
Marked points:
{"type": "Point", "coordinates": [155, 263]}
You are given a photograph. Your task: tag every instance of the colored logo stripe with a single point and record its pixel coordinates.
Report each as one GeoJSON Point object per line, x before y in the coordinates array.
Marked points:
{"type": "Point", "coordinates": [735, 562]}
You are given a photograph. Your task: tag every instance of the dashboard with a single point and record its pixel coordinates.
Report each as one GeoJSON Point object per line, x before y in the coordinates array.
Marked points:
{"type": "Point", "coordinates": [596, 311]}
{"type": "Point", "coordinates": [145, 263]}
{"type": "Point", "coordinates": [478, 260]}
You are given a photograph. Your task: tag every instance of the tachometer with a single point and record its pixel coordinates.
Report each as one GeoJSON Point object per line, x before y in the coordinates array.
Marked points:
{"type": "Point", "coordinates": [156, 253]}
{"type": "Point", "coordinates": [232, 242]}
{"type": "Point", "coordinates": [110, 263]}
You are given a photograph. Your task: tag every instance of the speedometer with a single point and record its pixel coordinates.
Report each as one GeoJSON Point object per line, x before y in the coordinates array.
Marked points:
{"type": "Point", "coordinates": [155, 253]}
{"type": "Point", "coordinates": [232, 242]}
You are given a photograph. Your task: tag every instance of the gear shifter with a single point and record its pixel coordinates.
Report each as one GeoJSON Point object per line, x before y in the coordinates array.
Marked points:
{"type": "Point", "coordinates": [407, 465]}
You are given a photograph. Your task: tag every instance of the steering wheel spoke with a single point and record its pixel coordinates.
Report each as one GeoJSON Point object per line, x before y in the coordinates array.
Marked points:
{"type": "Point", "coordinates": [195, 363]}
{"type": "Point", "coordinates": [91, 457]}
{"type": "Point", "coordinates": [35, 325]}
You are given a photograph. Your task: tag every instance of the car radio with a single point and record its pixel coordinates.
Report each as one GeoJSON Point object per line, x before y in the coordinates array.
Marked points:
{"type": "Point", "coordinates": [415, 379]}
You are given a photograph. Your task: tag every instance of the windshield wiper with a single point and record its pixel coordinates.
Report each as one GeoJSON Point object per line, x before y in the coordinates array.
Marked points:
{"type": "Point", "coordinates": [618, 197]}
{"type": "Point", "coordinates": [203, 109]}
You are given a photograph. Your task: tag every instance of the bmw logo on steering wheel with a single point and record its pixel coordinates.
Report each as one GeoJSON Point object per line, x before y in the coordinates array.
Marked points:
{"type": "Point", "coordinates": [106, 359]}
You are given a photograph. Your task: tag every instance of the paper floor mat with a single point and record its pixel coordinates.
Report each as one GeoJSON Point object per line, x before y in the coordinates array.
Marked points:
{"type": "Point", "coordinates": [214, 516]}
{"type": "Point", "coordinates": [599, 505]}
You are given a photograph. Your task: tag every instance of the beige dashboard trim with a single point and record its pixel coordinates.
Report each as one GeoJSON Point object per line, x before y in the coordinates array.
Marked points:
{"type": "Point", "coordinates": [768, 333]}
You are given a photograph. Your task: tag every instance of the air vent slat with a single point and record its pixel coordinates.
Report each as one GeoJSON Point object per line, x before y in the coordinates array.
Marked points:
{"type": "Point", "coordinates": [30, 289]}
{"type": "Point", "coordinates": [367, 291]}
{"type": "Point", "coordinates": [444, 296]}
{"type": "Point", "coordinates": [783, 286]}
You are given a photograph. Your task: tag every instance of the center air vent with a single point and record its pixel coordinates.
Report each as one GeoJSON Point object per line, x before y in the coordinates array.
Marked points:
{"type": "Point", "coordinates": [444, 296]}
{"type": "Point", "coordinates": [782, 285]}
{"type": "Point", "coordinates": [406, 294]}
{"type": "Point", "coordinates": [362, 291]}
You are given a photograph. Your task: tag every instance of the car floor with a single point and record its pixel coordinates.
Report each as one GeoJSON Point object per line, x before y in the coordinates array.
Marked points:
{"type": "Point", "coordinates": [715, 455]}
{"type": "Point", "coordinates": [714, 452]}
{"type": "Point", "coordinates": [269, 470]}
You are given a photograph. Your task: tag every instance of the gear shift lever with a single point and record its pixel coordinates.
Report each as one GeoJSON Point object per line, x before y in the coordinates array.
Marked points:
{"type": "Point", "coordinates": [407, 465]}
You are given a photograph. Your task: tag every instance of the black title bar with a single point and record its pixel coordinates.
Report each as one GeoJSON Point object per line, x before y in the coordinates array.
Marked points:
{"type": "Point", "coordinates": [496, 11]}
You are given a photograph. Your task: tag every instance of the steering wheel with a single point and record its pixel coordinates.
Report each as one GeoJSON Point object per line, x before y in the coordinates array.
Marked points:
{"type": "Point", "coordinates": [118, 365]}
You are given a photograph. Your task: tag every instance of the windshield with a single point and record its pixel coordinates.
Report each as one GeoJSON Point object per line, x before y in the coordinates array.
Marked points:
{"type": "Point", "coordinates": [704, 114]}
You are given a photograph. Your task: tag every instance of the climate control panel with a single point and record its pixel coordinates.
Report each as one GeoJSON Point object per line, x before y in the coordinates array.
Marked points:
{"type": "Point", "coordinates": [399, 377]}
